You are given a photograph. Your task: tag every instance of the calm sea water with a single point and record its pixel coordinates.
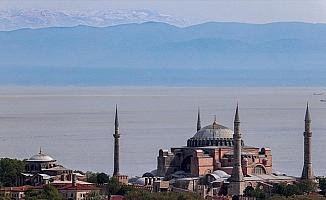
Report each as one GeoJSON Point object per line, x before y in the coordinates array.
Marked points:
{"type": "Point", "coordinates": [75, 124]}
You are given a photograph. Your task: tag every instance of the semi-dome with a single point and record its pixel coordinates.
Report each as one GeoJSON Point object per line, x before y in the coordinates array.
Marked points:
{"type": "Point", "coordinates": [221, 174]}
{"type": "Point", "coordinates": [40, 157]}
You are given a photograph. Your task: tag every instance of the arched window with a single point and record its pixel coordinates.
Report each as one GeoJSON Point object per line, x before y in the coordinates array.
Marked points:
{"type": "Point", "coordinates": [259, 170]}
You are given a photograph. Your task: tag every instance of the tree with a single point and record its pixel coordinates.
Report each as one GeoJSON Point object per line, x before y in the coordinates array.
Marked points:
{"type": "Point", "coordinates": [95, 196]}
{"type": "Point", "coordinates": [9, 169]}
{"type": "Point", "coordinates": [307, 186]}
{"type": "Point", "coordinates": [322, 185]}
{"type": "Point", "coordinates": [113, 186]}
{"type": "Point", "coordinates": [49, 192]}
{"type": "Point", "coordinates": [254, 192]}
{"type": "Point", "coordinates": [98, 178]}
{"type": "Point", "coordinates": [32, 194]}
{"type": "Point", "coordinates": [102, 178]}
{"type": "Point", "coordinates": [138, 194]}
{"type": "Point", "coordinates": [248, 191]}
{"type": "Point", "coordinates": [91, 177]}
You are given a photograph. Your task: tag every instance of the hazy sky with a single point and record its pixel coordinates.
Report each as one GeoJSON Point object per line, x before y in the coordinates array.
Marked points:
{"type": "Point", "coordinates": [252, 11]}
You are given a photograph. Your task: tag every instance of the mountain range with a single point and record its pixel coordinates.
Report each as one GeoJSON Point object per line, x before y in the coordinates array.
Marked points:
{"type": "Point", "coordinates": [155, 53]}
{"type": "Point", "coordinates": [14, 19]}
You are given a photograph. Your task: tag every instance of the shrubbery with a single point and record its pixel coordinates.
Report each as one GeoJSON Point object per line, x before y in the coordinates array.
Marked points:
{"type": "Point", "coordinates": [9, 169]}
{"type": "Point", "coordinates": [98, 178]}
{"type": "Point", "coordinates": [302, 188]}
{"type": "Point", "coordinates": [115, 188]}
{"type": "Point", "coordinates": [49, 192]}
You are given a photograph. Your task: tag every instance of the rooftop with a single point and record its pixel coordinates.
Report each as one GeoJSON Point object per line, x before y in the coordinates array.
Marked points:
{"type": "Point", "coordinates": [214, 130]}
{"type": "Point", "coordinates": [41, 157]}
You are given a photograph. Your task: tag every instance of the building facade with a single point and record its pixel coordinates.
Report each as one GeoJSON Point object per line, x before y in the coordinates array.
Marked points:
{"type": "Point", "coordinates": [216, 162]}
{"type": "Point", "coordinates": [211, 149]}
{"type": "Point", "coordinates": [42, 169]}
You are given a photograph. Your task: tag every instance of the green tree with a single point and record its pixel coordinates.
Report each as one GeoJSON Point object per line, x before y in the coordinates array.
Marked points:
{"type": "Point", "coordinates": [303, 187]}
{"type": "Point", "coordinates": [307, 186]}
{"type": "Point", "coordinates": [254, 192]}
{"type": "Point", "coordinates": [91, 177]}
{"type": "Point", "coordinates": [33, 194]}
{"type": "Point", "coordinates": [114, 187]}
{"type": "Point", "coordinates": [95, 196]}
{"type": "Point", "coordinates": [9, 169]}
{"type": "Point", "coordinates": [102, 178]}
{"type": "Point", "coordinates": [49, 193]}
{"type": "Point", "coordinates": [322, 185]}
{"type": "Point", "coordinates": [248, 191]}
{"type": "Point", "coordinates": [138, 194]}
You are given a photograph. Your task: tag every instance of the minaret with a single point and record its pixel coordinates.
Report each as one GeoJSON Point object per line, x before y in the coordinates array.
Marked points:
{"type": "Point", "coordinates": [236, 180]}
{"type": "Point", "coordinates": [198, 121]}
{"type": "Point", "coordinates": [116, 136]}
{"type": "Point", "coordinates": [307, 172]}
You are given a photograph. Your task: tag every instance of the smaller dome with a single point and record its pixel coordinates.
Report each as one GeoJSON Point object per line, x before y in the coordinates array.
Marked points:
{"type": "Point", "coordinates": [221, 174]}
{"type": "Point", "coordinates": [140, 181]}
{"type": "Point", "coordinates": [148, 174]}
{"type": "Point", "coordinates": [41, 157]}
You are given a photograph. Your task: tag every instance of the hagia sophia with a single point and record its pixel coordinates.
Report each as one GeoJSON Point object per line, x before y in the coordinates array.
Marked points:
{"type": "Point", "coordinates": [215, 162]}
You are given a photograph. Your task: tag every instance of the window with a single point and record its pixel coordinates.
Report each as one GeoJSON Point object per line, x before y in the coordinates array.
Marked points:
{"type": "Point", "coordinates": [259, 170]}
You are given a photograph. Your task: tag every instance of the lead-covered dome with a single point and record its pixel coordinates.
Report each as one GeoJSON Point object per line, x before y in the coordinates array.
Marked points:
{"type": "Point", "coordinates": [214, 131]}
{"type": "Point", "coordinates": [41, 157]}
{"type": "Point", "coordinates": [212, 135]}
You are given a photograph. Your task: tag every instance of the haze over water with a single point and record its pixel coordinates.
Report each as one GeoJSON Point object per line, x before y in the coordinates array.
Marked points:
{"type": "Point", "coordinates": [75, 124]}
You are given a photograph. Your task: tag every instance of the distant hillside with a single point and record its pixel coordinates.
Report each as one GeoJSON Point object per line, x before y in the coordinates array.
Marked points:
{"type": "Point", "coordinates": [13, 19]}
{"type": "Point", "coordinates": [154, 53]}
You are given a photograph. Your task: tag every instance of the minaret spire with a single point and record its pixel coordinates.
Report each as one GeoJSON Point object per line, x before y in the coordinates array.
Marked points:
{"type": "Point", "coordinates": [116, 120]}
{"type": "Point", "coordinates": [236, 117]}
{"type": "Point", "coordinates": [236, 179]}
{"type": "Point", "coordinates": [116, 136]}
{"type": "Point", "coordinates": [198, 120]}
{"type": "Point", "coordinates": [307, 116]}
{"type": "Point", "coordinates": [307, 172]}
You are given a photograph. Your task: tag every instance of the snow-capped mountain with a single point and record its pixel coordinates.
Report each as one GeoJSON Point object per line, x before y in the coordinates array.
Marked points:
{"type": "Point", "coordinates": [36, 18]}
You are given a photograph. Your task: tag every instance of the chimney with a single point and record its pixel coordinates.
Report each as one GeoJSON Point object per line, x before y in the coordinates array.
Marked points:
{"type": "Point", "coordinates": [74, 180]}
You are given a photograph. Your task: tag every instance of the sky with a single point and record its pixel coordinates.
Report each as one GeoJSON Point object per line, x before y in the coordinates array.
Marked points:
{"type": "Point", "coordinates": [194, 12]}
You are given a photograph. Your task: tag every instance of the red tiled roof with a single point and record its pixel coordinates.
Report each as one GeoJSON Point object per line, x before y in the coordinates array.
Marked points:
{"type": "Point", "coordinates": [117, 197]}
{"type": "Point", "coordinates": [20, 188]}
{"type": "Point", "coordinates": [78, 186]}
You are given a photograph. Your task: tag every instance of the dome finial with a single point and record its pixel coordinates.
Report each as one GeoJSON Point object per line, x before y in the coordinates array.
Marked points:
{"type": "Point", "coordinates": [40, 150]}
{"type": "Point", "coordinates": [215, 122]}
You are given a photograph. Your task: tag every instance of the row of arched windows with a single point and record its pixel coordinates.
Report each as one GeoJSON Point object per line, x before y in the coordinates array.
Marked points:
{"type": "Point", "coordinates": [210, 142]}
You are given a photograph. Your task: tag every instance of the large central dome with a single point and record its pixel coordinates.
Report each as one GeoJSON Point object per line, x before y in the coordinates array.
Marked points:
{"type": "Point", "coordinates": [214, 131]}
{"type": "Point", "coordinates": [212, 135]}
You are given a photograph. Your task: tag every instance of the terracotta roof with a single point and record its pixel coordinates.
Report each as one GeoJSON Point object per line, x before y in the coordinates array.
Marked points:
{"type": "Point", "coordinates": [117, 197]}
{"type": "Point", "coordinates": [20, 188]}
{"type": "Point", "coordinates": [78, 186]}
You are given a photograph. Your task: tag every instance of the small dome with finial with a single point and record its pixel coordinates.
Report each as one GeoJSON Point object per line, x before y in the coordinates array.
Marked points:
{"type": "Point", "coordinates": [41, 157]}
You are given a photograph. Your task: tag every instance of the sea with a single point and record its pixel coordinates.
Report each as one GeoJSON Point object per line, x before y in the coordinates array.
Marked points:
{"type": "Point", "coordinates": [74, 125]}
